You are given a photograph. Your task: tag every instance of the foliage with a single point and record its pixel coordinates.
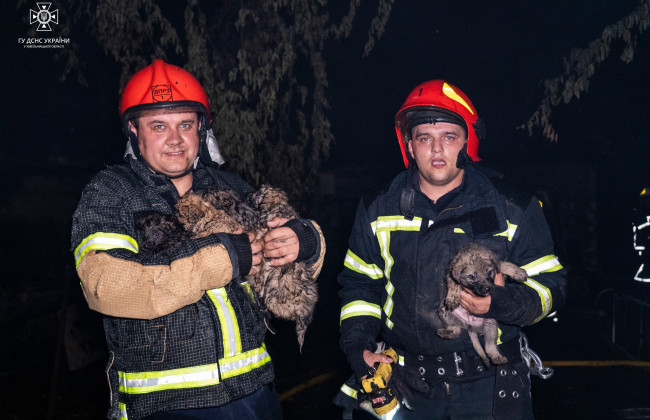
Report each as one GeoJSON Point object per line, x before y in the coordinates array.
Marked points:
{"type": "Point", "coordinates": [581, 65]}
{"type": "Point", "coordinates": [261, 62]}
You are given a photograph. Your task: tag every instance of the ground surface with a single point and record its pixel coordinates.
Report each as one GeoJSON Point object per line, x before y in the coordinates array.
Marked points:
{"type": "Point", "coordinates": [308, 381]}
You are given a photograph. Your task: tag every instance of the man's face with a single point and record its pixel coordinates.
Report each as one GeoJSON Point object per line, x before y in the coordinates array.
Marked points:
{"type": "Point", "coordinates": [169, 142]}
{"type": "Point", "coordinates": [435, 149]}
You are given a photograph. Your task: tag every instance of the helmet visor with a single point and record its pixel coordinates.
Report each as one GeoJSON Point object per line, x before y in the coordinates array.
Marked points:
{"type": "Point", "coordinates": [430, 115]}
{"type": "Point", "coordinates": [163, 108]}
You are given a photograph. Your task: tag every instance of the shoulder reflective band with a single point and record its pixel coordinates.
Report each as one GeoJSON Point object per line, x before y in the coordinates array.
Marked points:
{"type": "Point", "coordinates": [360, 308]}
{"type": "Point", "coordinates": [510, 232]}
{"type": "Point", "coordinates": [227, 320]}
{"type": "Point", "coordinates": [388, 223]}
{"type": "Point", "coordinates": [547, 264]}
{"type": "Point", "coordinates": [354, 263]}
{"type": "Point", "coordinates": [103, 241]}
{"type": "Point", "coordinates": [192, 377]}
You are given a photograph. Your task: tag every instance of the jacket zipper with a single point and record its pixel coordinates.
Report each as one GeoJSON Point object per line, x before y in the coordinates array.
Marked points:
{"type": "Point", "coordinates": [460, 206]}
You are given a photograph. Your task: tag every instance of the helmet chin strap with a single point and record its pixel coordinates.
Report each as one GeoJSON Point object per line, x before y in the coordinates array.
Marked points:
{"type": "Point", "coordinates": [407, 196]}
{"type": "Point", "coordinates": [463, 158]}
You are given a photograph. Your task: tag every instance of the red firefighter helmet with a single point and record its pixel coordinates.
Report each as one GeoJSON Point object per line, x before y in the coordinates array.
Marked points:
{"type": "Point", "coordinates": [438, 101]}
{"type": "Point", "coordinates": [163, 86]}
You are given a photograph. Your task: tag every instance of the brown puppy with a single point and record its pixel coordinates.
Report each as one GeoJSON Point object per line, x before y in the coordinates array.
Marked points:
{"type": "Point", "coordinates": [474, 268]}
{"type": "Point", "coordinates": [289, 292]}
{"type": "Point", "coordinates": [206, 212]}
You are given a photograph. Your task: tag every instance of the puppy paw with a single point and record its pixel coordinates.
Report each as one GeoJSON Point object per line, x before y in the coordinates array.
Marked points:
{"type": "Point", "coordinates": [498, 359]}
{"type": "Point", "coordinates": [513, 271]}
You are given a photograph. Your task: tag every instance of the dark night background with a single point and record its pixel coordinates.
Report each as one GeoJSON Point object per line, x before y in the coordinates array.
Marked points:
{"type": "Point", "coordinates": [56, 135]}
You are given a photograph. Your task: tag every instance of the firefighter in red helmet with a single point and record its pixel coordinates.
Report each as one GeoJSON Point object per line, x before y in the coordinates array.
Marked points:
{"type": "Point", "coordinates": [393, 281]}
{"type": "Point", "coordinates": [183, 328]}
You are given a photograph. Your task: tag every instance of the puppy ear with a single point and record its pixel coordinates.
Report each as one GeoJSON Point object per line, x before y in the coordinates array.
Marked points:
{"type": "Point", "coordinates": [456, 269]}
{"type": "Point", "coordinates": [495, 264]}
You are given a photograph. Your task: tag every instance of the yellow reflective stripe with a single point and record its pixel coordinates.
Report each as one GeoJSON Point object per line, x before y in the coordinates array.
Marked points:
{"type": "Point", "coordinates": [192, 377]}
{"type": "Point", "coordinates": [389, 223]}
{"type": "Point", "coordinates": [360, 308]}
{"type": "Point", "coordinates": [509, 232]}
{"type": "Point", "coordinates": [547, 264]}
{"type": "Point", "coordinates": [544, 296]}
{"type": "Point", "coordinates": [228, 321]}
{"type": "Point", "coordinates": [244, 362]}
{"type": "Point", "coordinates": [249, 290]}
{"type": "Point", "coordinates": [350, 392]}
{"type": "Point", "coordinates": [102, 241]}
{"type": "Point", "coordinates": [458, 230]}
{"type": "Point", "coordinates": [390, 304]}
{"type": "Point", "coordinates": [122, 408]}
{"type": "Point", "coordinates": [384, 244]}
{"type": "Point", "coordinates": [451, 93]}
{"type": "Point", "coordinates": [354, 263]}
{"type": "Point", "coordinates": [145, 382]}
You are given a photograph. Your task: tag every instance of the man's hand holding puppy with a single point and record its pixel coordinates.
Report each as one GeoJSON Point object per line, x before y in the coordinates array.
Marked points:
{"type": "Point", "coordinates": [478, 305]}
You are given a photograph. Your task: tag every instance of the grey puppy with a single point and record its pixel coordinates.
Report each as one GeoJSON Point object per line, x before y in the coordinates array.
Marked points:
{"type": "Point", "coordinates": [474, 268]}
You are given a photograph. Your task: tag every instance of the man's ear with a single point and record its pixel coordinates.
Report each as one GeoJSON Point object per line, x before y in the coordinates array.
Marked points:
{"type": "Point", "coordinates": [133, 128]}
{"type": "Point", "coordinates": [409, 148]}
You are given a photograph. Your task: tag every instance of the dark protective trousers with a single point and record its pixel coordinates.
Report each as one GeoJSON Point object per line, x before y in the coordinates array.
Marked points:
{"type": "Point", "coordinates": [263, 404]}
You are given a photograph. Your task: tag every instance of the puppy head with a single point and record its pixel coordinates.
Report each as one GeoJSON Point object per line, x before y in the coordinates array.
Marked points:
{"type": "Point", "coordinates": [156, 231]}
{"type": "Point", "coordinates": [238, 210]}
{"type": "Point", "coordinates": [273, 202]}
{"type": "Point", "coordinates": [221, 199]}
{"type": "Point", "coordinates": [475, 271]}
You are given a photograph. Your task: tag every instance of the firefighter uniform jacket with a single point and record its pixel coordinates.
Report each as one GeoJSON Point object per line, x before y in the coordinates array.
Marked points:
{"type": "Point", "coordinates": [180, 333]}
{"type": "Point", "coordinates": [393, 279]}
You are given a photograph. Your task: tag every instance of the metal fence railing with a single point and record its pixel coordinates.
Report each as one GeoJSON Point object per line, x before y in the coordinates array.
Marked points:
{"type": "Point", "coordinates": [625, 323]}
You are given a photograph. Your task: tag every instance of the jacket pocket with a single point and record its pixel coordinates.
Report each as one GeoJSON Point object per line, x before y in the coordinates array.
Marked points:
{"type": "Point", "coordinates": [148, 340]}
